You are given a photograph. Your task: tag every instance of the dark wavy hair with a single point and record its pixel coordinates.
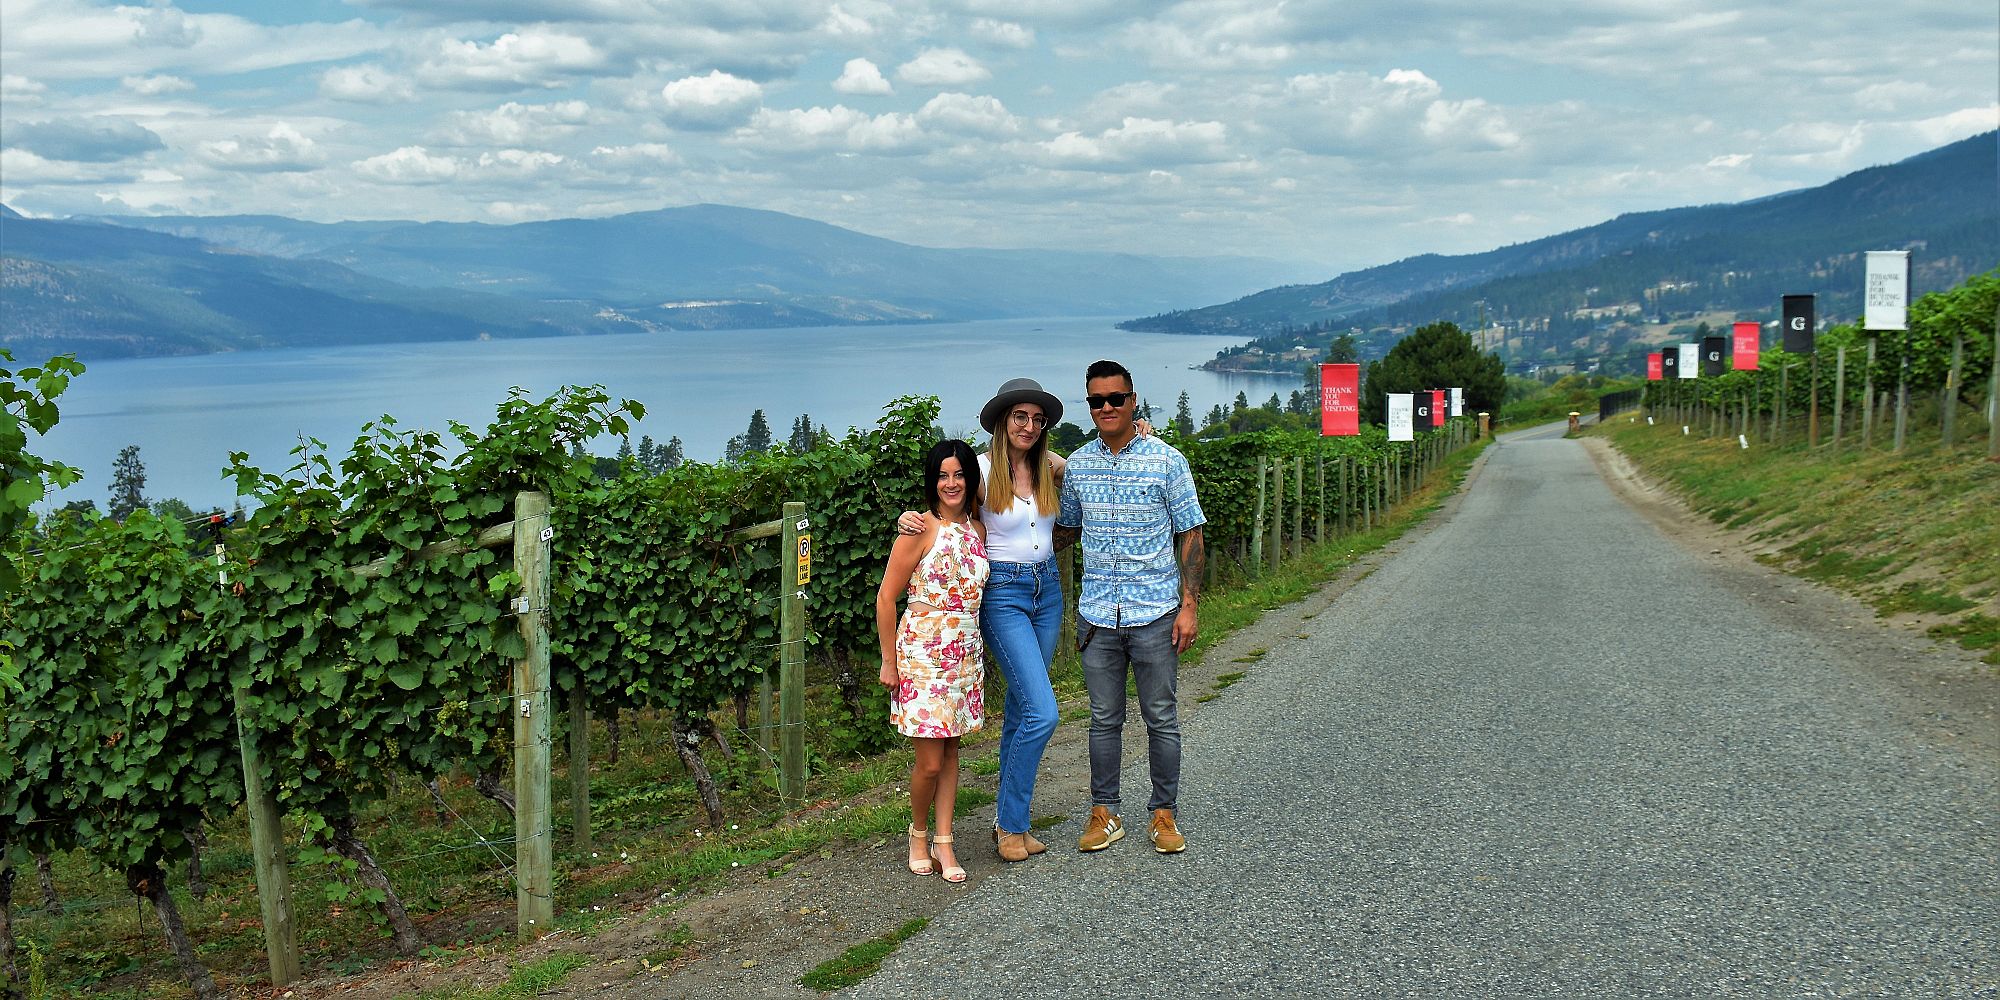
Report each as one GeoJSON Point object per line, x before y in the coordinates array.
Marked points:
{"type": "Point", "coordinates": [934, 466]}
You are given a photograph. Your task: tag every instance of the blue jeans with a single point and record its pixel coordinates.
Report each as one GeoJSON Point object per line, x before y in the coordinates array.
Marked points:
{"type": "Point", "coordinates": [1020, 619]}
{"type": "Point", "coordinates": [1149, 650]}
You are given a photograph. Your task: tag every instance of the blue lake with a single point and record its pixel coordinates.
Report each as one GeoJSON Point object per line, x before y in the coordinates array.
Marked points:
{"type": "Point", "coordinates": [187, 414]}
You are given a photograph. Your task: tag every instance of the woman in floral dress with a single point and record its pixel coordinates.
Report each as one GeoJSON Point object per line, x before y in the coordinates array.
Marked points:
{"type": "Point", "coordinates": [932, 659]}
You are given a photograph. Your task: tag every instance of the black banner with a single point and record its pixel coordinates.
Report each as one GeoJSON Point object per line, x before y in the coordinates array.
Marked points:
{"type": "Point", "coordinates": [1713, 361]}
{"type": "Point", "coordinates": [1421, 399]}
{"type": "Point", "coordinates": [1670, 362]}
{"type": "Point", "coordinates": [1798, 324]}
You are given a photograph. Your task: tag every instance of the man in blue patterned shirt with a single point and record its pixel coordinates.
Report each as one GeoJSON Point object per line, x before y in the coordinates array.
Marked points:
{"type": "Point", "coordinates": [1130, 501]}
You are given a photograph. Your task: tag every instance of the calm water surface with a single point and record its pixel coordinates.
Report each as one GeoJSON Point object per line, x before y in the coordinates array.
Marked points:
{"type": "Point", "coordinates": [187, 414]}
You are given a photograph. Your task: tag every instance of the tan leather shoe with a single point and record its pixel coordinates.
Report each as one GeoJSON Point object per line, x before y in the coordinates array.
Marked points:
{"type": "Point", "coordinates": [1103, 830]}
{"type": "Point", "coordinates": [1034, 846]}
{"type": "Point", "coordinates": [1167, 838]}
{"type": "Point", "coordinates": [1014, 847]}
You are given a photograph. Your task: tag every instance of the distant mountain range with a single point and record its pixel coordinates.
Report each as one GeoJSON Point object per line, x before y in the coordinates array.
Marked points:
{"type": "Point", "coordinates": [1548, 296]}
{"type": "Point", "coordinates": [126, 286]}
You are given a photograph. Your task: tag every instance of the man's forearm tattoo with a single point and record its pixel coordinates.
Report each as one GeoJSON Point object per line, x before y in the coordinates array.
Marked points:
{"type": "Point", "coordinates": [1194, 566]}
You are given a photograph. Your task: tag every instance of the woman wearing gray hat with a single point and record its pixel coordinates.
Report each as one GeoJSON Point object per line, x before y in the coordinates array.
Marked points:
{"type": "Point", "coordinates": [1021, 616]}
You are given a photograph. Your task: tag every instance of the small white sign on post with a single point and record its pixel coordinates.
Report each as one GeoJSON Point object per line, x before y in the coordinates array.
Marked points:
{"type": "Point", "coordinates": [1690, 366]}
{"type": "Point", "coordinates": [1458, 402]}
{"type": "Point", "coordinates": [1886, 297]}
{"type": "Point", "coordinates": [1402, 417]}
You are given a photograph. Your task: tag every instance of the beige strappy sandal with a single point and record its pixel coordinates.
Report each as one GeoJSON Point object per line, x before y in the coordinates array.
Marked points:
{"type": "Point", "coordinates": [954, 874]}
{"type": "Point", "coordinates": [921, 837]}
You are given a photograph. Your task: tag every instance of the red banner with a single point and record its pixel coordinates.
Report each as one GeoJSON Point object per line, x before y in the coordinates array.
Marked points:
{"type": "Point", "coordinates": [1656, 369]}
{"type": "Point", "coordinates": [1743, 349]}
{"type": "Point", "coordinates": [1339, 400]}
{"type": "Point", "coordinates": [1437, 408]}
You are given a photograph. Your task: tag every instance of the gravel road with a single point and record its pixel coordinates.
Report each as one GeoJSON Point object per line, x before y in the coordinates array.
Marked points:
{"type": "Point", "coordinates": [1545, 751]}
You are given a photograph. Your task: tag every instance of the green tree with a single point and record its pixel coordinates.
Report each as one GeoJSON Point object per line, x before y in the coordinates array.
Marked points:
{"type": "Point", "coordinates": [1066, 437]}
{"type": "Point", "coordinates": [803, 438]}
{"type": "Point", "coordinates": [669, 456]}
{"type": "Point", "coordinates": [128, 484]}
{"type": "Point", "coordinates": [1274, 404]}
{"type": "Point", "coordinates": [1184, 416]}
{"type": "Point", "coordinates": [173, 509]}
{"type": "Point", "coordinates": [1439, 355]}
{"type": "Point", "coordinates": [1344, 350]}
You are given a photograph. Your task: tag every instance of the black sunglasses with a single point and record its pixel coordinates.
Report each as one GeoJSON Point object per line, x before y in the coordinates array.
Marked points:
{"type": "Point", "coordinates": [1112, 399]}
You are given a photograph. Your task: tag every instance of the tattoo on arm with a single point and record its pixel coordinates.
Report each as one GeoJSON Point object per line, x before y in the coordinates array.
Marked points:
{"type": "Point", "coordinates": [1194, 565]}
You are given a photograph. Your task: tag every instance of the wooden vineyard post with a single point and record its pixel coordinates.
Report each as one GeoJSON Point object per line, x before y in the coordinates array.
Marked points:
{"type": "Point", "coordinates": [1948, 400]}
{"type": "Point", "coordinates": [579, 766]}
{"type": "Point", "coordinates": [274, 883]}
{"type": "Point", "coordinates": [1277, 539]}
{"type": "Point", "coordinates": [1812, 418]}
{"type": "Point", "coordinates": [534, 854]}
{"type": "Point", "coordinates": [795, 569]}
{"type": "Point", "coordinates": [1257, 522]}
{"type": "Point", "coordinates": [1346, 523]}
{"type": "Point", "coordinates": [1902, 402]}
{"type": "Point", "coordinates": [1298, 505]}
{"type": "Point", "coordinates": [1868, 399]}
{"type": "Point", "coordinates": [1319, 532]}
{"type": "Point", "coordinates": [1993, 394]}
{"type": "Point", "coordinates": [1839, 391]}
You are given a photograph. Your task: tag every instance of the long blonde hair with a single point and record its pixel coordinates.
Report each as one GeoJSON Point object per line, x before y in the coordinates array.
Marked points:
{"type": "Point", "coordinates": [1000, 477]}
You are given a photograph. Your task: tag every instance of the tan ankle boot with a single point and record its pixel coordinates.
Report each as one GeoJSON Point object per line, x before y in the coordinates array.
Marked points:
{"type": "Point", "coordinates": [1014, 847]}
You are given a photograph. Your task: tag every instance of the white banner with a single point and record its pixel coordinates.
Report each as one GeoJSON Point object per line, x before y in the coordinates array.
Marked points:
{"type": "Point", "coordinates": [1458, 402]}
{"type": "Point", "coordinates": [1690, 366]}
{"type": "Point", "coordinates": [1402, 417]}
{"type": "Point", "coordinates": [1886, 295]}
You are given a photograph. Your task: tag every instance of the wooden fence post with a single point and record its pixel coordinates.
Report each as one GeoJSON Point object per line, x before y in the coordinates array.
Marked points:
{"type": "Point", "coordinates": [534, 854]}
{"type": "Point", "coordinates": [1319, 533]}
{"type": "Point", "coordinates": [579, 765]}
{"type": "Point", "coordinates": [1839, 391]}
{"type": "Point", "coordinates": [1346, 524]}
{"type": "Point", "coordinates": [794, 567]}
{"type": "Point", "coordinates": [1257, 521]}
{"type": "Point", "coordinates": [274, 883]}
{"type": "Point", "coordinates": [1298, 505]}
{"type": "Point", "coordinates": [1277, 538]}
{"type": "Point", "coordinates": [1868, 399]}
{"type": "Point", "coordinates": [1902, 403]}
{"type": "Point", "coordinates": [1948, 400]}
{"type": "Point", "coordinates": [1993, 394]}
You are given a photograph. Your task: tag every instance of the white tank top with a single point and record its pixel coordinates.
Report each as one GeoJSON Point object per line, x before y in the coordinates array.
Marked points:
{"type": "Point", "coordinates": [1018, 534]}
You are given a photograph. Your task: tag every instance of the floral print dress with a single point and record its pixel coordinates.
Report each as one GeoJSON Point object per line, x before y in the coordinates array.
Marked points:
{"type": "Point", "coordinates": [939, 656]}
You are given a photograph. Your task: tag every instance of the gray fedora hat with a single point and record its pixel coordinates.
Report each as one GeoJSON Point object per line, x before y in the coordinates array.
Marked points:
{"type": "Point", "coordinates": [1019, 390]}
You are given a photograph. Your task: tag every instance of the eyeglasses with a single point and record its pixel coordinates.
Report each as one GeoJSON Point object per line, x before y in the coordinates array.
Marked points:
{"type": "Point", "coordinates": [1022, 418]}
{"type": "Point", "coordinates": [1111, 399]}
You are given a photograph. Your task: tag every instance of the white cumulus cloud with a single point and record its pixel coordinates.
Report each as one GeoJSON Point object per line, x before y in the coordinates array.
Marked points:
{"type": "Point", "coordinates": [838, 128]}
{"type": "Point", "coordinates": [153, 86]}
{"type": "Point", "coordinates": [965, 113]}
{"type": "Point", "coordinates": [532, 57]}
{"type": "Point", "coordinates": [942, 68]}
{"type": "Point", "coordinates": [365, 84]}
{"type": "Point", "coordinates": [513, 123]}
{"type": "Point", "coordinates": [281, 149]}
{"type": "Point", "coordinates": [1139, 143]}
{"type": "Point", "coordinates": [643, 154]}
{"type": "Point", "coordinates": [1005, 33]}
{"type": "Point", "coordinates": [409, 165]}
{"type": "Point", "coordinates": [860, 76]}
{"type": "Point", "coordinates": [715, 101]}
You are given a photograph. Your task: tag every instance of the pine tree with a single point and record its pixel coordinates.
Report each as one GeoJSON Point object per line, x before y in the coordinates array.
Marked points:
{"type": "Point", "coordinates": [1274, 404]}
{"type": "Point", "coordinates": [648, 454]}
{"type": "Point", "coordinates": [757, 439]}
{"type": "Point", "coordinates": [1343, 350]}
{"type": "Point", "coordinates": [1184, 416]}
{"type": "Point", "coordinates": [624, 450]}
{"type": "Point", "coordinates": [128, 484]}
{"type": "Point", "coordinates": [1242, 404]}
{"type": "Point", "coordinates": [1215, 417]}
{"type": "Point", "coordinates": [669, 455]}
{"type": "Point", "coordinates": [803, 439]}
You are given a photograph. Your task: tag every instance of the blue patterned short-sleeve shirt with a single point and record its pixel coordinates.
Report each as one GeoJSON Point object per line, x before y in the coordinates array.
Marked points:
{"type": "Point", "coordinates": [1130, 506]}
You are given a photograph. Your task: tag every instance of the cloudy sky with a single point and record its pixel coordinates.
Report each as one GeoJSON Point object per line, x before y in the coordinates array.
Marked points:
{"type": "Point", "coordinates": [1338, 132]}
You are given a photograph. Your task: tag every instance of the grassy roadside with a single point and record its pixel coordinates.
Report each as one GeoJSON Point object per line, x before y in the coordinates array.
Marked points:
{"type": "Point", "coordinates": [650, 847]}
{"type": "Point", "coordinates": [1913, 534]}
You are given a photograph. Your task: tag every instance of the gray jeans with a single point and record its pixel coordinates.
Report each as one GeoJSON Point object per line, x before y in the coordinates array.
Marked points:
{"type": "Point", "coordinates": [1149, 650]}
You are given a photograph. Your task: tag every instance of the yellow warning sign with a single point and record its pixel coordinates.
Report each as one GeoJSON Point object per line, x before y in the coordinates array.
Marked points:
{"type": "Point", "coordinates": [805, 559]}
